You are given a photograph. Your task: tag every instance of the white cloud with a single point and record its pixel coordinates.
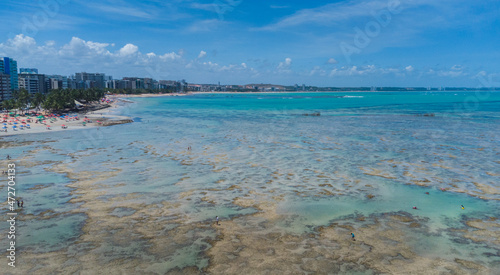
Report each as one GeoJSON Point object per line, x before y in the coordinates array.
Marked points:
{"type": "Point", "coordinates": [202, 54]}
{"type": "Point", "coordinates": [19, 42]}
{"type": "Point", "coordinates": [170, 56]}
{"type": "Point", "coordinates": [317, 71]}
{"type": "Point", "coordinates": [332, 61]}
{"type": "Point", "coordinates": [343, 11]}
{"type": "Point", "coordinates": [79, 47]}
{"type": "Point", "coordinates": [364, 71]}
{"type": "Point", "coordinates": [207, 7]}
{"type": "Point", "coordinates": [454, 72]}
{"type": "Point", "coordinates": [127, 11]}
{"type": "Point", "coordinates": [126, 60]}
{"type": "Point", "coordinates": [451, 73]}
{"type": "Point", "coordinates": [285, 65]}
{"type": "Point", "coordinates": [128, 49]}
{"type": "Point", "coordinates": [78, 54]}
{"type": "Point", "coordinates": [279, 7]}
{"type": "Point", "coordinates": [336, 12]}
{"type": "Point", "coordinates": [205, 25]}
{"type": "Point", "coordinates": [50, 43]}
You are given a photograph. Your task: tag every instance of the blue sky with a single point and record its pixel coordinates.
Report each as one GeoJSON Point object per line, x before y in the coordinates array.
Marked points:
{"type": "Point", "coordinates": [324, 43]}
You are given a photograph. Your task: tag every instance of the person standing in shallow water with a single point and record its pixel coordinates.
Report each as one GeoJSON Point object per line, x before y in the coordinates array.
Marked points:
{"type": "Point", "coordinates": [352, 236]}
{"type": "Point", "coordinates": [217, 220]}
{"type": "Point", "coordinates": [22, 203]}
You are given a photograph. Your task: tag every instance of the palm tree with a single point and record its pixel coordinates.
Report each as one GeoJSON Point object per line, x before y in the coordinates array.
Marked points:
{"type": "Point", "coordinates": [38, 99]}
{"type": "Point", "coordinates": [23, 99]}
{"type": "Point", "coordinates": [8, 104]}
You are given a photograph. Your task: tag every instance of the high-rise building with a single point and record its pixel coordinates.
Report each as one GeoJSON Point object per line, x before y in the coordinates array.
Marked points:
{"type": "Point", "coordinates": [9, 66]}
{"type": "Point", "coordinates": [54, 82]}
{"type": "Point", "coordinates": [33, 83]}
{"type": "Point", "coordinates": [90, 80]}
{"type": "Point", "coordinates": [5, 91]}
{"type": "Point", "coordinates": [28, 71]}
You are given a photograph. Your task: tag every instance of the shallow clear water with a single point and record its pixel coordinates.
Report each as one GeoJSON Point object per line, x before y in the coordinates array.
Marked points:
{"type": "Point", "coordinates": [378, 144]}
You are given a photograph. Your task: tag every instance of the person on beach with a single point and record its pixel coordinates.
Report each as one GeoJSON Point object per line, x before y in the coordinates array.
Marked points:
{"type": "Point", "coordinates": [352, 236]}
{"type": "Point", "coordinates": [22, 203]}
{"type": "Point", "coordinates": [217, 220]}
{"type": "Point", "coordinates": [8, 157]}
{"type": "Point", "coordinates": [18, 203]}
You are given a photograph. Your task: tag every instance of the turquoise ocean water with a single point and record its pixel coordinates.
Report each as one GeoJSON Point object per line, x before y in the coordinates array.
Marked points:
{"type": "Point", "coordinates": [379, 144]}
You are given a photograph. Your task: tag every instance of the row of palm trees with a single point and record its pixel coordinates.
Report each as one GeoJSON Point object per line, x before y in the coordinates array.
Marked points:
{"type": "Point", "coordinates": [58, 100]}
{"type": "Point", "coordinates": [55, 100]}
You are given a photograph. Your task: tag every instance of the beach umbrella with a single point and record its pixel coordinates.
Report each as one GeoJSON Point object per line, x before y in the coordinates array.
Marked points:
{"type": "Point", "coordinates": [4, 127]}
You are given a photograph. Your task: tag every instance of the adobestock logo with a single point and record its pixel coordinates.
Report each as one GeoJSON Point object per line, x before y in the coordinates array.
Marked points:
{"type": "Point", "coordinates": [372, 29]}
{"type": "Point", "coordinates": [48, 10]}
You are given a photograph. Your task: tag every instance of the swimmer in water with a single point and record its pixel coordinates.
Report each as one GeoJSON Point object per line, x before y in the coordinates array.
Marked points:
{"type": "Point", "coordinates": [462, 206]}
{"type": "Point", "coordinates": [414, 207]}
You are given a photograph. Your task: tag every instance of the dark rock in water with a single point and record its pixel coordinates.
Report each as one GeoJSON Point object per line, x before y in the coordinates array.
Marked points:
{"type": "Point", "coordinates": [489, 254]}
{"type": "Point", "coordinates": [427, 114]}
{"type": "Point", "coordinates": [116, 122]}
{"type": "Point", "coordinates": [313, 114]}
{"type": "Point", "coordinates": [461, 241]}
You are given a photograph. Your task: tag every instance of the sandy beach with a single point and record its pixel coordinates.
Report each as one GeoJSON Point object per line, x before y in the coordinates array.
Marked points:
{"type": "Point", "coordinates": [100, 118]}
